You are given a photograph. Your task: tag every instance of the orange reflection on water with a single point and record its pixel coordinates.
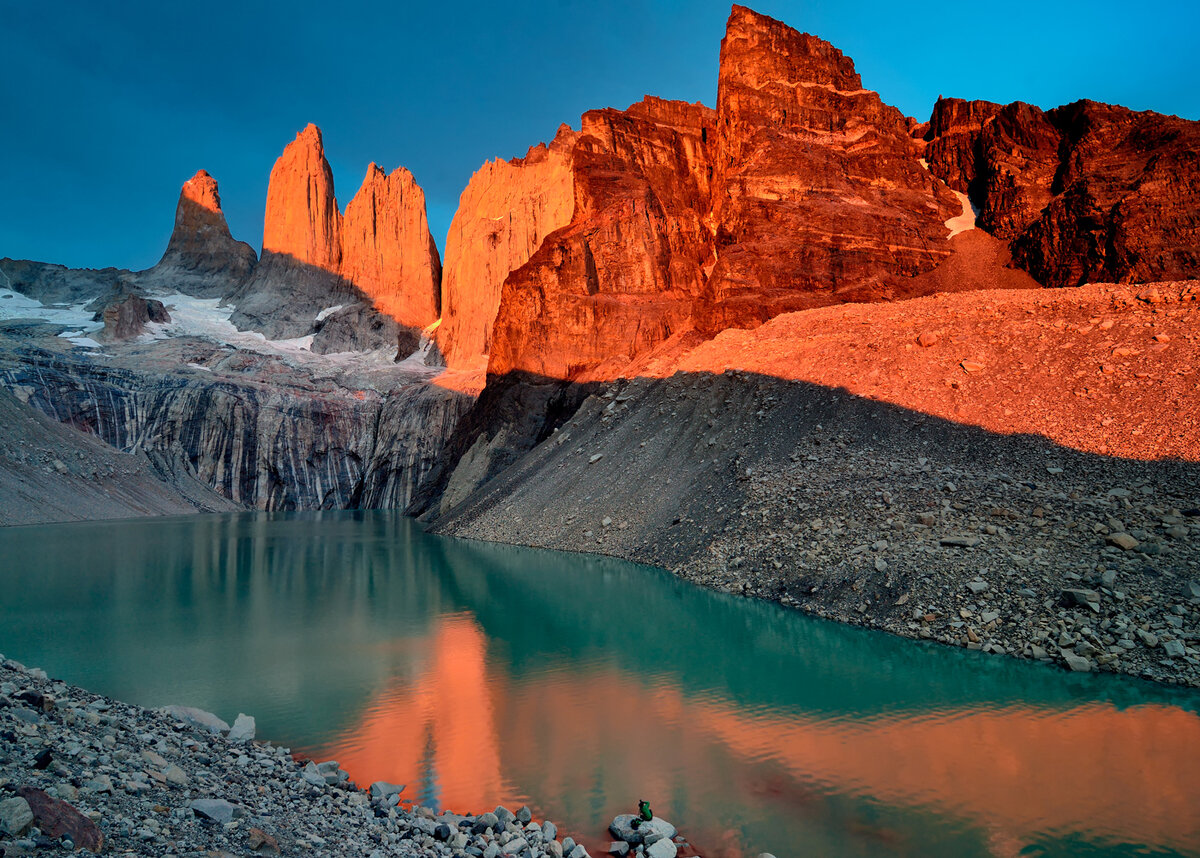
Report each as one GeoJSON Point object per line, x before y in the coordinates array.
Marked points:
{"type": "Point", "coordinates": [1131, 774]}
{"type": "Point", "coordinates": [1016, 773]}
{"type": "Point", "coordinates": [441, 726]}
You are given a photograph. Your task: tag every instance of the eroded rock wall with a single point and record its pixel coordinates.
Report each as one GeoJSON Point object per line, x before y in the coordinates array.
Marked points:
{"type": "Point", "coordinates": [262, 445]}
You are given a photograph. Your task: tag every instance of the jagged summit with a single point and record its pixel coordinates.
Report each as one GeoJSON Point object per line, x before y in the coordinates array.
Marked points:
{"type": "Point", "coordinates": [202, 257]}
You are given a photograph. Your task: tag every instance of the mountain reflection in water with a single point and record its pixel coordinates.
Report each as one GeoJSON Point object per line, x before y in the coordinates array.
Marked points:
{"type": "Point", "coordinates": [480, 674]}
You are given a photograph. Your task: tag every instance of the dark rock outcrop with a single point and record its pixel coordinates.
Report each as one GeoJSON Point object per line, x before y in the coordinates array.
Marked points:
{"type": "Point", "coordinates": [247, 428]}
{"type": "Point", "coordinates": [1085, 192]}
{"type": "Point", "coordinates": [126, 318]}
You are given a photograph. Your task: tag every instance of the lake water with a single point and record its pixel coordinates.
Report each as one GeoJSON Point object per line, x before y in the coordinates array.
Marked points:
{"type": "Point", "coordinates": [481, 674]}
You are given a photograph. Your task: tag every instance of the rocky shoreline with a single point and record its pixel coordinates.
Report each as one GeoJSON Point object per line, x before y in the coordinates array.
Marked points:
{"type": "Point", "coordinates": [79, 771]}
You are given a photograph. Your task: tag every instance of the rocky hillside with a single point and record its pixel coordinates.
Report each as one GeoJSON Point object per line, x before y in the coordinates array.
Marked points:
{"type": "Point", "coordinates": [1014, 470]}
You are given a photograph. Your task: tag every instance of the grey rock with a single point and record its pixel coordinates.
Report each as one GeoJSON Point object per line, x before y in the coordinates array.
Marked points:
{"type": "Point", "coordinates": [216, 809]}
{"type": "Point", "coordinates": [504, 814]}
{"type": "Point", "coordinates": [491, 850]}
{"type": "Point", "coordinates": [176, 776]}
{"type": "Point", "coordinates": [960, 541]}
{"type": "Point", "coordinates": [1150, 639]}
{"type": "Point", "coordinates": [549, 830]}
{"type": "Point", "coordinates": [1123, 541]}
{"type": "Point", "coordinates": [243, 728]}
{"type": "Point", "coordinates": [1174, 648]}
{"type": "Point", "coordinates": [385, 790]}
{"type": "Point", "coordinates": [978, 587]}
{"type": "Point", "coordinates": [1084, 598]}
{"type": "Point", "coordinates": [1191, 590]}
{"type": "Point", "coordinates": [484, 822]}
{"type": "Point", "coordinates": [197, 718]}
{"type": "Point", "coordinates": [312, 774]}
{"type": "Point", "coordinates": [578, 852]}
{"type": "Point", "coordinates": [524, 815]}
{"type": "Point", "coordinates": [442, 832]}
{"type": "Point", "coordinates": [1077, 662]}
{"type": "Point", "coordinates": [622, 828]}
{"type": "Point", "coordinates": [516, 846]}
{"type": "Point", "coordinates": [27, 715]}
{"type": "Point", "coordinates": [664, 848]}
{"type": "Point", "coordinates": [15, 816]}
{"type": "Point", "coordinates": [618, 847]}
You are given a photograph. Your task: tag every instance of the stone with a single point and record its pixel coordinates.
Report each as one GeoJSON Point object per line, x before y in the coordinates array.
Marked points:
{"type": "Point", "coordinates": [524, 814]}
{"type": "Point", "coordinates": [1148, 638]}
{"type": "Point", "coordinates": [618, 847]}
{"type": "Point", "coordinates": [387, 252]}
{"type": "Point", "coordinates": [578, 851]}
{"type": "Point", "coordinates": [153, 758]}
{"type": "Point", "coordinates": [385, 790]}
{"type": "Point", "coordinates": [176, 776]}
{"type": "Point", "coordinates": [663, 848]}
{"type": "Point", "coordinates": [485, 822]}
{"type": "Point", "coordinates": [1174, 648]}
{"type": "Point", "coordinates": [1076, 662]}
{"type": "Point", "coordinates": [622, 828]}
{"type": "Point", "coordinates": [1191, 590]}
{"type": "Point", "coordinates": [58, 819]}
{"type": "Point", "coordinates": [978, 587]}
{"type": "Point", "coordinates": [960, 541]}
{"type": "Point", "coordinates": [216, 810]}
{"type": "Point", "coordinates": [442, 832]}
{"type": "Point", "coordinates": [197, 718]}
{"type": "Point", "coordinates": [202, 258]}
{"type": "Point", "coordinates": [1074, 191]}
{"type": "Point", "coordinates": [506, 211]}
{"type": "Point", "coordinates": [1075, 597]}
{"type": "Point", "coordinates": [260, 840]}
{"type": "Point", "coordinates": [504, 815]}
{"type": "Point", "coordinates": [15, 816]}
{"type": "Point", "coordinates": [549, 830]}
{"type": "Point", "coordinates": [1122, 540]}
{"type": "Point", "coordinates": [243, 728]}
{"type": "Point", "coordinates": [313, 775]}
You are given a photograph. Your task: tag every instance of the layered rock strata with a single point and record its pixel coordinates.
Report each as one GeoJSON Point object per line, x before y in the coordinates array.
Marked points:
{"type": "Point", "coordinates": [246, 426]}
{"type": "Point", "coordinates": [818, 193]}
{"type": "Point", "coordinates": [1084, 192]}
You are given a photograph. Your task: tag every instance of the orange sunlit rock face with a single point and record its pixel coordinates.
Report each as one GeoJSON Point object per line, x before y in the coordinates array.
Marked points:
{"type": "Point", "coordinates": [387, 250]}
{"type": "Point", "coordinates": [505, 212]}
{"type": "Point", "coordinates": [481, 737]}
{"type": "Point", "coordinates": [302, 219]}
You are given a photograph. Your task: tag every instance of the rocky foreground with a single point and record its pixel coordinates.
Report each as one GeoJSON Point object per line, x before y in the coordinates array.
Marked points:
{"type": "Point", "coordinates": [82, 772]}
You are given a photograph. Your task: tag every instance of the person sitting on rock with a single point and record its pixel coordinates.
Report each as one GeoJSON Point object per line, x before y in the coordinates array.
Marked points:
{"type": "Point", "coordinates": [644, 814]}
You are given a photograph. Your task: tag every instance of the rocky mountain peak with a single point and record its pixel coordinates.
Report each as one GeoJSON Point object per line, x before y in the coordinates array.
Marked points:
{"type": "Point", "coordinates": [302, 218]}
{"type": "Point", "coordinates": [201, 245]}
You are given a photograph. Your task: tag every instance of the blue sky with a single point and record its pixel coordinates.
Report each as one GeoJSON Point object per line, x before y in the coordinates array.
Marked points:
{"type": "Point", "coordinates": [109, 108]}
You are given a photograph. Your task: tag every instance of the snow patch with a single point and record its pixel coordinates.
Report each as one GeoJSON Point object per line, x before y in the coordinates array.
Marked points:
{"type": "Point", "coordinates": [964, 221]}
{"type": "Point", "coordinates": [328, 311]}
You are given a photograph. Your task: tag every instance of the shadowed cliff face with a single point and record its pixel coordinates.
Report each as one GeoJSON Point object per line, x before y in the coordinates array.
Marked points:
{"type": "Point", "coordinates": [202, 258]}
{"type": "Point", "coordinates": [1083, 193]}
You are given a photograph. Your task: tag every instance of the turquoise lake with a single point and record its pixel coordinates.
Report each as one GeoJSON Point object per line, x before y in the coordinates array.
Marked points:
{"type": "Point", "coordinates": [482, 674]}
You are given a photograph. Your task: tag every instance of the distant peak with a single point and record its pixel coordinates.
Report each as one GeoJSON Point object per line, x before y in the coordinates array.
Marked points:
{"type": "Point", "coordinates": [201, 189]}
